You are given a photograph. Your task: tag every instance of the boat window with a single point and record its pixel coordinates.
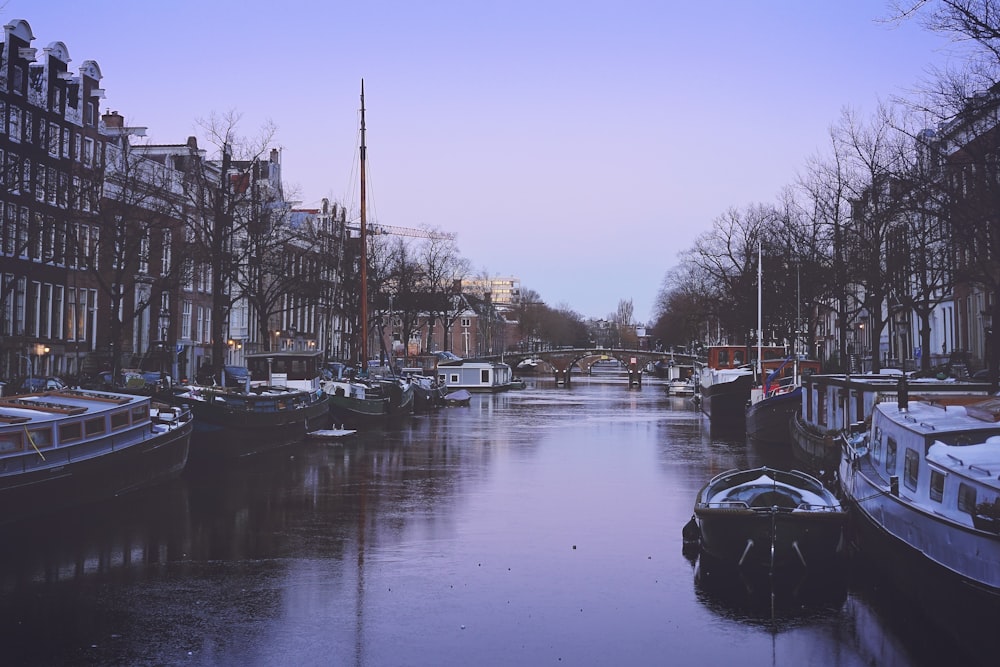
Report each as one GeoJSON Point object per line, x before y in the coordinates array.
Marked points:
{"type": "Point", "coordinates": [140, 414]}
{"type": "Point", "coordinates": [967, 498]}
{"type": "Point", "coordinates": [454, 379]}
{"type": "Point", "coordinates": [911, 468]}
{"type": "Point", "coordinates": [10, 442]}
{"type": "Point", "coordinates": [70, 432]}
{"type": "Point", "coordinates": [890, 455]}
{"type": "Point", "coordinates": [484, 376]}
{"type": "Point", "coordinates": [937, 485]}
{"type": "Point", "coordinates": [94, 426]}
{"type": "Point", "coordinates": [41, 437]}
{"type": "Point", "coordinates": [119, 419]}
{"type": "Point", "coordinates": [877, 444]}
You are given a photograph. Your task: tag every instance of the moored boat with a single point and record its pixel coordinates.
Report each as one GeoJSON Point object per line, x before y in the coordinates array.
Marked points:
{"type": "Point", "coordinates": [832, 402]}
{"type": "Point", "coordinates": [475, 375]}
{"type": "Point", "coordinates": [232, 423]}
{"type": "Point", "coordinates": [923, 483]}
{"type": "Point", "coordinates": [769, 518]}
{"type": "Point", "coordinates": [73, 446]}
{"type": "Point", "coordinates": [680, 387]}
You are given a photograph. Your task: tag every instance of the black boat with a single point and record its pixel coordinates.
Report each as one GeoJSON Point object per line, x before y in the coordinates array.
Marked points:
{"type": "Point", "coordinates": [769, 518]}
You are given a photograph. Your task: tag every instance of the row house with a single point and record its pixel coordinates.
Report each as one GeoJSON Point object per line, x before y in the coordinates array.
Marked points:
{"type": "Point", "coordinates": [51, 147]}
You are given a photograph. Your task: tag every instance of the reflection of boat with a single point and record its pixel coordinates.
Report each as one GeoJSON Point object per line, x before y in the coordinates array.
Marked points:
{"type": "Point", "coordinates": [923, 480]}
{"type": "Point", "coordinates": [757, 598]}
{"type": "Point", "coordinates": [770, 518]}
{"type": "Point", "coordinates": [71, 446]}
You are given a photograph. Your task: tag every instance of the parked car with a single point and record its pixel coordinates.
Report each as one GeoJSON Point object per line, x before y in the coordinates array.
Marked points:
{"type": "Point", "coordinates": [236, 376]}
{"type": "Point", "coordinates": [130, 378]}
{"type": "Point", "coordinates": [31, 385]}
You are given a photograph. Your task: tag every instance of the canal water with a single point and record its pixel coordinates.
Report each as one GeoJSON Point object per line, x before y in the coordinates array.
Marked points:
{"type": "Point", "coordinates": [535, 527]}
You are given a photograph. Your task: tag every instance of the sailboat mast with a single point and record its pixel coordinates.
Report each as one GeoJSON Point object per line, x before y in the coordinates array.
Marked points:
{"type": "Point", "coordinates": [760, 317]}
{"type": "Point", "coordinates": [364, 244]}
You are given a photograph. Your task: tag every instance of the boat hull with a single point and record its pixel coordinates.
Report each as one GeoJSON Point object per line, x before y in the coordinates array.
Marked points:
{"type": "Point", "coordinates": [769, 419]}
{"type": "Point", "coordinates": [78, 476]}
{"type": "Point", "coordinates": [229, 431]}
{"type": "Point", "coordinates": [892, 531]}
{"type": "Point", "coordinates": [724, 403]}
{"type": "Point", "coordinates": [770, 519]}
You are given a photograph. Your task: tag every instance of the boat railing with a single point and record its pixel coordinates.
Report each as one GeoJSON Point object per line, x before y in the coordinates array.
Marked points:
{"type": "Point", "coordinates": [743, 505]}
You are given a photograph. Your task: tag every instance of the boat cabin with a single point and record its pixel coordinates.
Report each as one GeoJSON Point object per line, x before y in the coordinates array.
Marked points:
{"type": "Point", "coordinates": [475, 375]}
{"type": "Point", "coordinates": [295, 370]}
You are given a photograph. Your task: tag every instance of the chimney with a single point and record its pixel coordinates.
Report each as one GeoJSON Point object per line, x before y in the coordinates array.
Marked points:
{"type": "Point", "coordinates": [113, 119]}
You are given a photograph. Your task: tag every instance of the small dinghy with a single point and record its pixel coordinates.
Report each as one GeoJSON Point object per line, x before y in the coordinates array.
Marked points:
{"type": "Point", "coordinates": [330, 433]}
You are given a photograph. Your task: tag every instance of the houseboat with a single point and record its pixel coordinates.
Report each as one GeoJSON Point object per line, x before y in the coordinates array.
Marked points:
{"type": "Point", "coordinates": [726, 377]}
{"type": "Point", "coordinates": [830, 403]}
{"type": "Point", "coordinates": [922, 480]}
{"type": "Point", "coordinates": [72, 446]}
{"type": "Point", "coordinates": [475, 375]}
{"type": "Point", "coordinates": [281, 402]}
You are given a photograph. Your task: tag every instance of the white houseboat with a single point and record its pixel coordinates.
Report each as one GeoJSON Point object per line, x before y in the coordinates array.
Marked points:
{"type": "Point", "coordinates": [474, 375]}
{"type": "Point", "coordinates": [923, 483]}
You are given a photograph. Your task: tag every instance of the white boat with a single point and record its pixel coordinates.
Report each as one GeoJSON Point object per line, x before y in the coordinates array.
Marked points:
{"type": "Point", "coordinates": [475, 375]}
{"type": "Point", "coordinates": [71, 446]}
{"type": "Point", "coordinates": [680, 387]}
{"type": "Point", "coordinates": [923, 482]}
{"type": "Point", "coordinates": [330, 433]}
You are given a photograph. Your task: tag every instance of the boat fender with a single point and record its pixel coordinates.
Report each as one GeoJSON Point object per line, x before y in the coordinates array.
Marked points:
{"type": "Point", "coordinates": [691, 533]}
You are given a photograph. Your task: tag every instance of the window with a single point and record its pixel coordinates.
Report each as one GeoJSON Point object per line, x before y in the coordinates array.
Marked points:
{"type": "Point", "coordinates": [15, 124]}
{"type": "Point", "coordinates": [937, 485]}
{"type": "Point", "coordinates": [165, 257]}
{"type": "Point", "coordinates": [95, 426]}
{"type": "Point", "coordinates": [17, 81]}
{"type": "Point", "coordinates": [186, 320]}
{"type": "Point", "coordinates": [890, 456]}
{"type": "Point", "coordinates": [484, 376]}
{"type": "Point", "coordinates": [119, 420]}
{"type": "Point", "coordinates": [53, 140]}
{"type": "Point", "coordinates": [466, 322]}
{"type": "Point", "coordinates": [88, 151]}
{"type": "Point", "coordinates": [41, 438]}
{"type": "Point", "coordinates": [70, 432]}
{"type": "Point", "coordinates": [967, 498]}
{"type": "Point", "coordinates": [911, 469]}
{"type": "Point", "coordinates": [140, 415]}
{"type": "Point", "coordinates": [10, 442]}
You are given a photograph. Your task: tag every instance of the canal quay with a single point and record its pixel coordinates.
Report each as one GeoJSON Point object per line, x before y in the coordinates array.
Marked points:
{"type": "Point", "coordinates": [533, 527]}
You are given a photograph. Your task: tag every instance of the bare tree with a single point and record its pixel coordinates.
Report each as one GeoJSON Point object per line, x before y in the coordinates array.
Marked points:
{"type": "Point", "coordinates": [220, 208]}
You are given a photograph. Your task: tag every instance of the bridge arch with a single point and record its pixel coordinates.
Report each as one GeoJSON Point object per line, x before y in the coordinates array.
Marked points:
{"type": "Point", "coordinates": [564, 359]}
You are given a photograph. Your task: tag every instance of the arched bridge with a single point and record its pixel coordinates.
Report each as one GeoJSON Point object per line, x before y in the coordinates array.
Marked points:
{"type": "Point", "coordinates": [563, 360]}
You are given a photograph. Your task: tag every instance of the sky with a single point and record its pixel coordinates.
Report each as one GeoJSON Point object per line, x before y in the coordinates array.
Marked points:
{"type": "Point", "coordinates": [576, 145]}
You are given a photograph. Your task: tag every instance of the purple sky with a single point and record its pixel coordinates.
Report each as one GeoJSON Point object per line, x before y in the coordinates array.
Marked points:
{"type": "Point", "coordinates": [576, 145]}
